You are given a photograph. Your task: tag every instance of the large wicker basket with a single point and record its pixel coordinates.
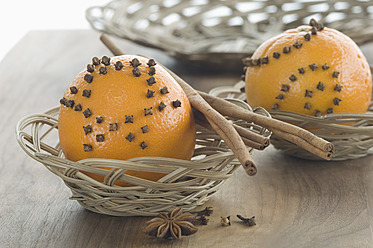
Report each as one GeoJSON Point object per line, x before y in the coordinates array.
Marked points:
{"type": "Point", "coordinates": [187, 183]}
{"type": "Point", "coordinates": [223, 32]}
{"type": "Point", "coordinates": [350, 133]}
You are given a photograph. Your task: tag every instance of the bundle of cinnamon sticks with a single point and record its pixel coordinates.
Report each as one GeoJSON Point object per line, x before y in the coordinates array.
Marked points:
{"type": "Point", "coordinates": [210, 112]}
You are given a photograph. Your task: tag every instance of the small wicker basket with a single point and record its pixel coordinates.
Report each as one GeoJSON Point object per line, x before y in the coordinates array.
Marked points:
{"type": "Point", "coordinates": [350, 133]}
{"type": "Point", "coordinates": [223, 32]}
{"type": "Point", "coordinates": [187, 183]}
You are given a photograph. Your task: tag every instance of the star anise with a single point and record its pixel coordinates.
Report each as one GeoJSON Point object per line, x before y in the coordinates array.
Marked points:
{"type": "Point", "coordinates": [172, 225]}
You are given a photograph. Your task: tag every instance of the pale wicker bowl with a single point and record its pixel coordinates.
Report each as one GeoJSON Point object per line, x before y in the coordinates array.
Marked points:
{"type": "Point", "coordinates": [187, 183]}
{"type": "Point", "coordinates": [223, 32]}
{"type": "Point", "coordinates": [350, 133]}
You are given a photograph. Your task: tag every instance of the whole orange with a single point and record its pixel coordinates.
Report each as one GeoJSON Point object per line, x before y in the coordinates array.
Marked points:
{"type": "Point", "coordinates": [310, 70]}
{"type": "Point", "coordinates": [125, 107]}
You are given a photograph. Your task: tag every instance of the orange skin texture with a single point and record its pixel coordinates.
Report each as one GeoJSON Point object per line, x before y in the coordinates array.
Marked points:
{"type": "Point", "coordinates": [264, 82]}
{"type": "Point", "coordinates": [172, 131]}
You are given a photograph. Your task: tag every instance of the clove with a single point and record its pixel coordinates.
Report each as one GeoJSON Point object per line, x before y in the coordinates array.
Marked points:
{"type": "Point", "coordinates": [225, 221]}
{"type": "Point", "coordinates": [248, 221]}
{"type": "Point", "coordinates": [207, 211]}
{"type": "Point", "coordinates": [88, 78]}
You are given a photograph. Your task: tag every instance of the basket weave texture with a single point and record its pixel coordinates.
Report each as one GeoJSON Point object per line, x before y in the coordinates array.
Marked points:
{"type": "Point", "coordinates": [220, 31]}
{"type": "Point", "coordinates": [187, 183]}
{"type": "Point", "coordinates": [350, 133]}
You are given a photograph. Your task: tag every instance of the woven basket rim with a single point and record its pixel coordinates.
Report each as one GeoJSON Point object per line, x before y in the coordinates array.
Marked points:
{"type": "Point", "coordinates": [191, 38]}
{"type": "Point", "coordinates": [187, 183]}
{"type": "Point", "coordinates": [350, 133]}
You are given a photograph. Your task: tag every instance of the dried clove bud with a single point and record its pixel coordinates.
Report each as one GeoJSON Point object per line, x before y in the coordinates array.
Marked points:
{"type": "Point", "coordinates": [225, 221]}
{"type": "Point", "coordinates": [73, 90]}
{"type": "Point", "coordinates": [105, 60]}
{"type": "Point", "coordinates": [145, 129]}
{"type": "Point", "coordinates": [99, 119]}
{"type": "Point", "coordinates": [280, 97]}
{"type": "Point", "coordinates": [292, 78]}
{"type": "Point", "coordinates": [313, 22]}
{"type": "Point", "coordinates": [151, 71]}
{"type": "Point", "coordinates": [321, 86]}
{"type": "Point", "coordinates": [136, 72]}
{"type": "Point", "coordinates": [276, 55]}
{"type": "Point", "coordinates": [63, 101]}
{"type": "Point", "coordinates": [275, 106]}
{"type": "Point", "coordinates": [297, 45]}
{"type": "Point", "coordinates": [336, 101]}
{"type": "Point", "coordinates": [113, 127]}
{"type": "Point", "coordinates": [286, 49]}
{"type": "Point", "coordinates": [203, 219]}
{"type": "Point", "coordinates": [135, 62]}
{"type": "Point", "coordinates": [143, 145]}
{"type": "Point", "coordinates": [118, 65]}
{"type": "Point", "coordinates": [148, 111]}
{"type": "Point", "coordinates": [151, 81]}
{"type": "Point", "coordinates": [164, 90]}
{"type": "Point", "coordinates": [150, 93]}
{"type": "Point", "coordinates": [86, 93]}
{"type": "Point", "coordinates": [325, 67]}
{"type": "Point", "coordinates": [128, 119]}
{"type": "Point", "coordinates": [100, 138]}
{"type": "Point", "coordinates": [130, 137]}
{"type": "Point", "coordinates": [102, 70]}
{"type": "Point", "coordinates": [335, 74]}
{"type": "Point", "coordinates": [307, 37]}
{"type": "Point", "coordinates": [314, 30]}
{"type": "Point", "coordinates": [176, 104]}
{"type": "Point", "coordinates": [90, 68]}
{"type": "Point", "coordinates": [87, 148]}
{"type": "Point", "coordinates": [96, 61]}
{"type": "Point", "coordinates": [264, 60]}
{"type": "Point", "coordinates": [330, 111]}
{"type": "Point", "coordinates": [255, 62]}
{"type": "Point", "coordinates": [161, 106]}
{"type": "Point", "coordinates": [307, 106]}
{"type": "Point", "coordinates": [319, 26]}
{"type": "Point", "coordinates": [338, 87]}
{"type": "Point", "coordinates": [151, 62]}
{"type": "Point", "coordinates": [313, 66]}
{"type": "Point", "coordinates": [285, 88]}
{"type": "Point", "coordinates": [308, 93]}
{"type": "Point", "coordinates": [301, 70]}
{"type": "Point", "coordinates": [87, 113]}
{"type": "Point", "coordinates": [78, 107]}
{"type": "Point", "coordinates": [248, 221]}
{"type": "Point", "coordinates": [87, 129]}
{"type": "Point", "coordinates": [247, 61]}
{"type": "Point", "coordinates": [206, 211]}
{"type": "Point", "coordinates": [88, 78]}
{"type": "Point", "coordinates": [317, 113]}
{"type": "Point", "coordinates": [69, 103]}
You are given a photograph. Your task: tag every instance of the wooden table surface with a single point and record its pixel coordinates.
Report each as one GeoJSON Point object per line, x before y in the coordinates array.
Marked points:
{"type": "Point", "coordinates": [297, 203]}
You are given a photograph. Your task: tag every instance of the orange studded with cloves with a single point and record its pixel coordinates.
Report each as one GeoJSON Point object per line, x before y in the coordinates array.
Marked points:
{"type": "Point", "coordinates": [121, 115]}
{"type": "Point", "coordinates": [316, 71]}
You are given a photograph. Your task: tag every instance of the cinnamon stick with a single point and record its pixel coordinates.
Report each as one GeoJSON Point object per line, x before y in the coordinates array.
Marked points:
{"type": "Point", "coordinates": [219, 124]}
{"type": "Point", "coordinates": [250, 138]}
{"type": "Point", "coordinates": [216, 120]}
{"type": "Point", "coordinates": [288, 131]}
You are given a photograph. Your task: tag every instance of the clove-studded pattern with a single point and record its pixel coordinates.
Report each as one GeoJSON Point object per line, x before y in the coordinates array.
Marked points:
{"type": "Point", "coordinates": [102, 67]}
{"type": "Point", "coordinates": [302, 70]}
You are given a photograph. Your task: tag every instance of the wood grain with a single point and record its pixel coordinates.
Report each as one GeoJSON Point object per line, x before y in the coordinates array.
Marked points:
{"type": "Point", "coordinates": [297, 203]}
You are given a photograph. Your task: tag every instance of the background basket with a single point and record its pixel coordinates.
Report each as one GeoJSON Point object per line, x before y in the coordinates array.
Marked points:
{"type": "Point", "coordinates": [350, 133]}
{"type": "Point", "coordinates": [187, 183]}
{"type": "Point", "coordinates": [220, 31]}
